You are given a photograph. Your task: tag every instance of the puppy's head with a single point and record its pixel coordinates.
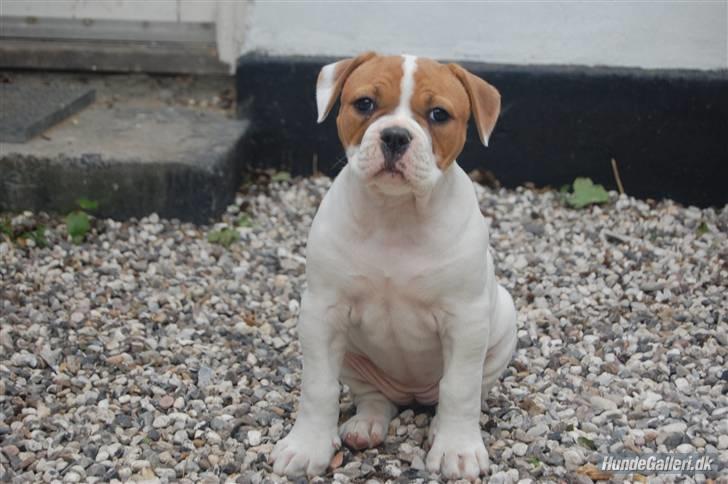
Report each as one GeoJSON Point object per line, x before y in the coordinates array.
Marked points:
{"type": "Point", "coordinates": [403, 119]}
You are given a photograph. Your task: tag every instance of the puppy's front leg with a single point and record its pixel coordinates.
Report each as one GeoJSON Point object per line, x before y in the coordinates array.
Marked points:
{"type": "Point", "coordinates": [457, 449]}
{"type": "Point", "coordinates": [309, 446]}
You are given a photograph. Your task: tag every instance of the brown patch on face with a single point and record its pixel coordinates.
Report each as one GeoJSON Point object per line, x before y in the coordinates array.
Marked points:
{"type": "Point", "coordinates": [379, 78]}
{"type": "Point", "coordinates": [342, 69]}
{"type": "Point", "coordinates": [437, 87]}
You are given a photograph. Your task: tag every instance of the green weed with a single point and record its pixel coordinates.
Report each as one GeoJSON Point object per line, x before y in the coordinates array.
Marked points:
{"type": "Point", "coordinates": [224, 237]}
{"type": "Point", "coordinates": [584, 193]}
{"type": "Point", "coordinates": [78, 222]}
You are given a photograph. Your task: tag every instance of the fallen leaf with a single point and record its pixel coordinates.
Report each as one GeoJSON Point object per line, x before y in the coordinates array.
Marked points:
{"type": "Point", "coordinates": [122, 359]}
{"type": "Point", "coordinates": [337, 460]}
{"type": "Point", "coordinates": [531, 406]}
{"type": "Point", "coordinates": [594, 473]}
{"type": "Point", "coordinates": [250, 319]}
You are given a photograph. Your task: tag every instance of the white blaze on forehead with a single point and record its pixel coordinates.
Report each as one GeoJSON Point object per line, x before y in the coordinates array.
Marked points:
{"type": "Point", "coordinates": [407, 87]}
{"type": "Point", "coordinates": [324, 89]}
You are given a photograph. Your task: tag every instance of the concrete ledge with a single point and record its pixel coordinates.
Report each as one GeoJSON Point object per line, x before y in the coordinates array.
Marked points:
{"type": "Point", "coordinates": [177, 162]}
{"type": "Point", "coordinates": [28, 110]}
{"type": "Point", "coordinates": [665, 128]}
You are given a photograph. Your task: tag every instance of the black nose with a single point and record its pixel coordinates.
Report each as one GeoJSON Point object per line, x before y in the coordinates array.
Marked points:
{"type": "Point", "coordinates": [394, 143]}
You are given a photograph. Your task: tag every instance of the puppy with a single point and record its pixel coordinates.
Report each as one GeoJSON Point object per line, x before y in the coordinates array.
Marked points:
{"type": "Point", "coordinates": [402, 303]}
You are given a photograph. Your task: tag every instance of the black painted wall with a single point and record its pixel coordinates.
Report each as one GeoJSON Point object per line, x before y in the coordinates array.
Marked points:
{"type": "Point", "coordinates": [667, 130]}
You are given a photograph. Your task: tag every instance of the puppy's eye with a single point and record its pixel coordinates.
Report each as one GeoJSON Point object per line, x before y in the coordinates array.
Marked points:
{"type": "Point", "coordinates": [439, 115]}
{"type": "Point", "coordinates": [365, 105]}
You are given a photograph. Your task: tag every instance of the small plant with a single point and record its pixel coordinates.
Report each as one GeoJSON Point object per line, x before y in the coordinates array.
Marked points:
{"type": "Point", "coordinates": [37, 235]}
{"type": "Point", "coordinates": [702, 229]}
{"type": "Point", "coordinates": [224, 237]}
{"type": "Point", "coordinates": [534, 461]}
{"type": "Point", "coordinates": [78, 225]}
{"type": "Point", "coordinates": [244, 221]}
{"type": "Point", "coordinates": [6, 228]}
{"type": "Point", "coordinates": [20, 235]}
{"type": "Point", "coordinates": [78, 222]}
{"type": "Point", "coordinates": [88, 205]}
{"type": "Point", "coordinates": [584, 193]}
{"type": "Point", "coordinates": [586, 443]}
{"type": "Point", "coordinates": [280, 176]}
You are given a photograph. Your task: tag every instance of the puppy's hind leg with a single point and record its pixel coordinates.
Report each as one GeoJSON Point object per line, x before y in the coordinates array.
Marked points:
{"type": "Point", "coordinates": [374, 411]}
{"type": "Point", "coordinates": [503, 340]}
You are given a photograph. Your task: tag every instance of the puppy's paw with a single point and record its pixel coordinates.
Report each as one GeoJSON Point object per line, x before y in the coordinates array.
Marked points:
{"type": "Point", "coordinates": [364, 431]}
{"type": "Point", "coordinates": [457, 455]}
{"type": "Point", "coordinates": [304, 452]}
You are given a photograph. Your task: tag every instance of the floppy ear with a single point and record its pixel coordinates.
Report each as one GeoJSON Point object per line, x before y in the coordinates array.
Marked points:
{"type": "Point", "coordinates": [331, 79]}
{"type": "Point", "coordinates": [485, 101]}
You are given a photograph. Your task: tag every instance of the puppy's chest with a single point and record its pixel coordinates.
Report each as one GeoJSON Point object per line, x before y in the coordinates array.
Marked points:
{"type": "Point", "coordinates": [396, 306]}
{"type": "Point", "coordinates": [390, 303]}
{"type": "Point", "coordinates": [395, 329]}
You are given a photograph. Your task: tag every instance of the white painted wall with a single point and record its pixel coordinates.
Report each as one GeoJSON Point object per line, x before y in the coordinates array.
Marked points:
{"type": "Point", "coordinates": [154, 10]}
{"type": "Point", "coordinates": [650, 34]}
{"type": "Point", "coordinates": [229, 16]}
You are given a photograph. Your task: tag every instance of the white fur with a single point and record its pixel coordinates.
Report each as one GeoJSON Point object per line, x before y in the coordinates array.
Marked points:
{"type": "Point", "coordinates": [407, 85]}
{"type": "Point", "coordinates": [324, 90]}
{"type": "Point", "coordinates": [399, 270]}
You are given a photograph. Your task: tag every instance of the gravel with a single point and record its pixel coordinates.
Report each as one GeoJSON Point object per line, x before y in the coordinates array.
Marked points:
{"type": "Point", "coordinates": [148, 353]}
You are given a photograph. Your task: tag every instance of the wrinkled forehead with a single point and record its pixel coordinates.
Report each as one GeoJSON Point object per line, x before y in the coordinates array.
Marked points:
{"type": "Point", "coordinates": [432, 79]}
{"type": "Point", "coordinates": [382, 74]}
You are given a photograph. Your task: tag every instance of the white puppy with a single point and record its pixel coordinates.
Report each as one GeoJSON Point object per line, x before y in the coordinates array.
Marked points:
{"type": "Point", "coordinates": [402, 304]}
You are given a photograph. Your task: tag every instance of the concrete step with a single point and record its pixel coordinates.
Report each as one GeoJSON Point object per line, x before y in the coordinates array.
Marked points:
{"type": "Point", "coordinates": [134, 158]}
{"type": "Point", "coordinates": [30, 108]}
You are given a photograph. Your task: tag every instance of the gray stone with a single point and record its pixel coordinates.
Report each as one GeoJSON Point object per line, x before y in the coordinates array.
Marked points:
{"type": "Point", "coordinates": [161, 422]}
{"type": "Point", "coordinates": [671, 439]}
{"type": "Point", "coordinates": [165, 473]}
{"type": "Point", "coordinates": [96, 470]}
{"type": "Point", "coordinates": [204, 376]}
{"type": "Point", "coordinates": [537, 430]}
{"type": "Point", "coordinates": [573, 459]}
{"type": "Point", "coordinates": [601, 403]}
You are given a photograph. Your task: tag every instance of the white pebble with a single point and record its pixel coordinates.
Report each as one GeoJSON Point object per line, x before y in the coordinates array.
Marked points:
{"type": "Point", "coordinates": [519, 449]}
{"type": "Point", "coordinates": [254, 437]}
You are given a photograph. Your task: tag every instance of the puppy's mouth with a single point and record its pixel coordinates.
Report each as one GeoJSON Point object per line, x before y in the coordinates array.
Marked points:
{"type": "Point", "coordinates": [390, 173]}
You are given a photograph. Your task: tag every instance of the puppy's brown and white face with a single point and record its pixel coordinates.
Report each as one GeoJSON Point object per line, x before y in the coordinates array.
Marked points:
{"type": "Point", "coordinates": [403, 119]}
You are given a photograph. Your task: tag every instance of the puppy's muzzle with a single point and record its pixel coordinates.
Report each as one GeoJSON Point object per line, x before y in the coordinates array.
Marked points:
{"type": "Point", "coordinates": [394, 143]}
